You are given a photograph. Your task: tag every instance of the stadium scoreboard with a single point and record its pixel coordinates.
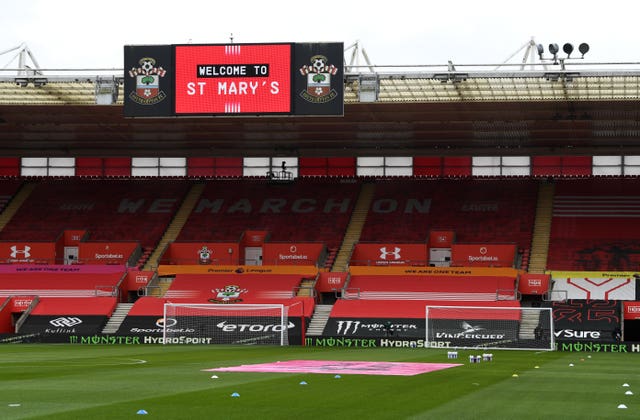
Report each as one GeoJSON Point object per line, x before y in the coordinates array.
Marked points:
{"type": "Point", "coordinates": [234, 79]}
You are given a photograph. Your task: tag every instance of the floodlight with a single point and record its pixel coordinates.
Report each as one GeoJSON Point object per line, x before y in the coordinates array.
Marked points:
{"type": "Point", "coordinates": [583, 48]}
{"type": "Point", "coordinates": [553, 49]}
{"type": "Point", "coordinates": [568, 49]}
{"type": "Point", "coordinates": [540, 50]}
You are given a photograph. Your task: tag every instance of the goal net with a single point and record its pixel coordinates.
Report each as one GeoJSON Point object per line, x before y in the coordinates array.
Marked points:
{"type": "Point", "coordinates": [514, 328]}
{"type": "Point", "coordinates": [192, 323]}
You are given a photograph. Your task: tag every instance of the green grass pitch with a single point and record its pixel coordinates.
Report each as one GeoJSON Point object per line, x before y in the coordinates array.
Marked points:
{"type": "Point", "coordinates": [168, 382]}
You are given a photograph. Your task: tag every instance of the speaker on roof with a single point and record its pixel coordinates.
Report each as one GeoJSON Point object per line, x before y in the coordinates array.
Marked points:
{"type": "Point", "coordinates": [568, 49]}
{"type": "Point", "coordinates": [583, 48]}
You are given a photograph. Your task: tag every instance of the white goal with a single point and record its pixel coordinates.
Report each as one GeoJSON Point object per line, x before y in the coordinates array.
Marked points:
{"type": "Point", "coordinates": [204, 323]}
{"type": "Point", "coordinates": [513, 328]}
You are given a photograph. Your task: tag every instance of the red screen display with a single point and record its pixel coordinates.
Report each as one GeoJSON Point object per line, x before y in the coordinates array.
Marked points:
{"type": "Point", "coordinates": [233, 79]}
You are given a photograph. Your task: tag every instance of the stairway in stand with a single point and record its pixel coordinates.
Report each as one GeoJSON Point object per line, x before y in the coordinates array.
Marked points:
{"type": "Point", "coordinates": [354, 230]}
{"type": "Point", "coordinates": [319, 320]}
{"type": "Point", "coordinates": [542, 229]}
{"type": "Point", "coordinates": [176, 225]}
{"type": "Point", "coordinates": [117, 318]}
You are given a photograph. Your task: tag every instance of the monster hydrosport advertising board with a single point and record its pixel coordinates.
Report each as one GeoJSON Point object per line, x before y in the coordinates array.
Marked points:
{"type": "Point", "coordinates": [234, 79]}
{"type": "Point", "coordinates": [374, 327]}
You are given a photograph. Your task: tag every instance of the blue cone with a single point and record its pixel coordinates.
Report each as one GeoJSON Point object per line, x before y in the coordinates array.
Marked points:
{"type": "Point", "coordinates": [303, 383]}
{"type": "Point", "coordinates": [337, 376]}
{"type": "Point", "coordinates": [142, 412]}
{"type": "Point", "coordinates": [235, 394]}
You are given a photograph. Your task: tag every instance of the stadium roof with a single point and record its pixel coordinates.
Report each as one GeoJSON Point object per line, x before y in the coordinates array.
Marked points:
{"type": "Point", "coordinates": [428, 110]}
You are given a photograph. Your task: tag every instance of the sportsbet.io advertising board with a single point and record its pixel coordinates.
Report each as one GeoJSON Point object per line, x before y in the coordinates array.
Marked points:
{"type": "Point", "coordinates": [234, 79]}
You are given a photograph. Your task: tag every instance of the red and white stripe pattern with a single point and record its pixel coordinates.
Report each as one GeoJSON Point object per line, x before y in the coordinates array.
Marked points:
{"type": "Point", "coordinates": [232, 108]}
{"type": "Point", "coordinates": [232, 50]}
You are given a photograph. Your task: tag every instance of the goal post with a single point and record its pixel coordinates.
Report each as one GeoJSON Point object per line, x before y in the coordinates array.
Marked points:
{"type": "Point", "coordinates": [210, 323]}
{"type": "Point", "coordinates": [488, 327]}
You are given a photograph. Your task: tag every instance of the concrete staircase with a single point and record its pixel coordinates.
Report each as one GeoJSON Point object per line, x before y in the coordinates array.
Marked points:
{"type": "Point", "coordinates": [176, 225]}
{"type": "Point", "coordinates": [354, 230]}
{"type": "Point", "coordinates": [307, 288]}
{"type": "Point", "coordinates": [319, 320]}
{"type": "Point", "coordinates": [116, 318]}
{"type": "Point", "coordinates": [542, 228]}
{"type": "Point", "coordinates": [528, 323]}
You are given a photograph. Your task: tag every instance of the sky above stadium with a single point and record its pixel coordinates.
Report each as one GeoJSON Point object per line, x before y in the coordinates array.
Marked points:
{"type": "Point", "coordinates": [72, 34]}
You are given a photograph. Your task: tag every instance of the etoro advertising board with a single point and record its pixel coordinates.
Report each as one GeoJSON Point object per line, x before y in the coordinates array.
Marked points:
{"type": "Point", "coordinates": [234, 79]}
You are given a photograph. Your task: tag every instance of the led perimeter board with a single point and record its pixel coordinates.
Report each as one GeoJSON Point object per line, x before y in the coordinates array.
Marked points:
{"type": "Point", "coordinates": [234, 79]}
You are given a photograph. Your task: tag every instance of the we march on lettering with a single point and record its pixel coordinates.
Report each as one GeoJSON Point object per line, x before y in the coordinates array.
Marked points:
{"type": "Point", "coordinates": [276, 205]}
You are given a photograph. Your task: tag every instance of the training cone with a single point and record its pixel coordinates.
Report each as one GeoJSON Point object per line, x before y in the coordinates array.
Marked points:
{"type": "Point", "coordinates": [570, 364]}
{"type": "Point", "coordinates": [303, 383]}
{"type": "Point", "coordinates": [536, 367]}
{"type": "Point", "coordinates": [214, 377]}
{"type": "Point", "coordinates": [625, 385]}
{"type": "Point", "coordinates": [142, 412]}
{"type": "Point", "coordinates": [337, 376]}
{"type": "Point", "coordinates": [622, 406]}
{"type": "Point", "coordinates": [628, 393]}
{"type": "Point", "coordinates": [235, 395]}
{"type": "Point", "coordinates": [515, 375]}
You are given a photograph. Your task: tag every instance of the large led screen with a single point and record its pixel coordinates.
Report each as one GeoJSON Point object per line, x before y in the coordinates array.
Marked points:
{"type": "Point", "coordinates": [233, 79]}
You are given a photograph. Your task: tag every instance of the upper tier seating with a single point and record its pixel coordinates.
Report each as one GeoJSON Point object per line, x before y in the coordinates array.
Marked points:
{"type": "Point", "coordinates": [110, 210]}
{"type": "Point", "coordinates": [477, 210]}
{"type": "Point", "coordinates": [307, 210]}
{"type": "Point", "coordinates": [8, 188]}
{"type": "Point", "coordinates": [595, 225]}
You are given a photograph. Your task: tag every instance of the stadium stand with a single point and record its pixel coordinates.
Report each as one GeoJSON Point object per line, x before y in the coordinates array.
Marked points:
{"type": "Point", "coordinates": [98, 305]}
{"type": "Point", "coordinates": [396, 309]}
{"type": "Point", "coordinates": [222, 288]}
{"type": "Point", "coordinates": [450, 126]}
{"type": "Point", "coordinates": [313, 210]}
{"type": "Point", "coordinates": [436, 288]}
{"type": "Point", "coordinates": [595, 225]}
{"type": "Point", "coordinates": [61, 284]}
{"type": "Point", "coordinates": [477, 210]}
{"type": "Point", "coordinates": [114, 210]}
{"type": "Point", "coordinates": [8, 188]}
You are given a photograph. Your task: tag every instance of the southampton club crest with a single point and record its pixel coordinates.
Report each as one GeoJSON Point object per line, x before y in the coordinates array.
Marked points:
{"type": "Point", "coordinates": [204, 255]}
{"type": "Point", "coordinates": [147, 75]}
{"type": "Point", "coordinates": [230, 294]}
{"type": "Point", "coordinates": [318, 75]}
